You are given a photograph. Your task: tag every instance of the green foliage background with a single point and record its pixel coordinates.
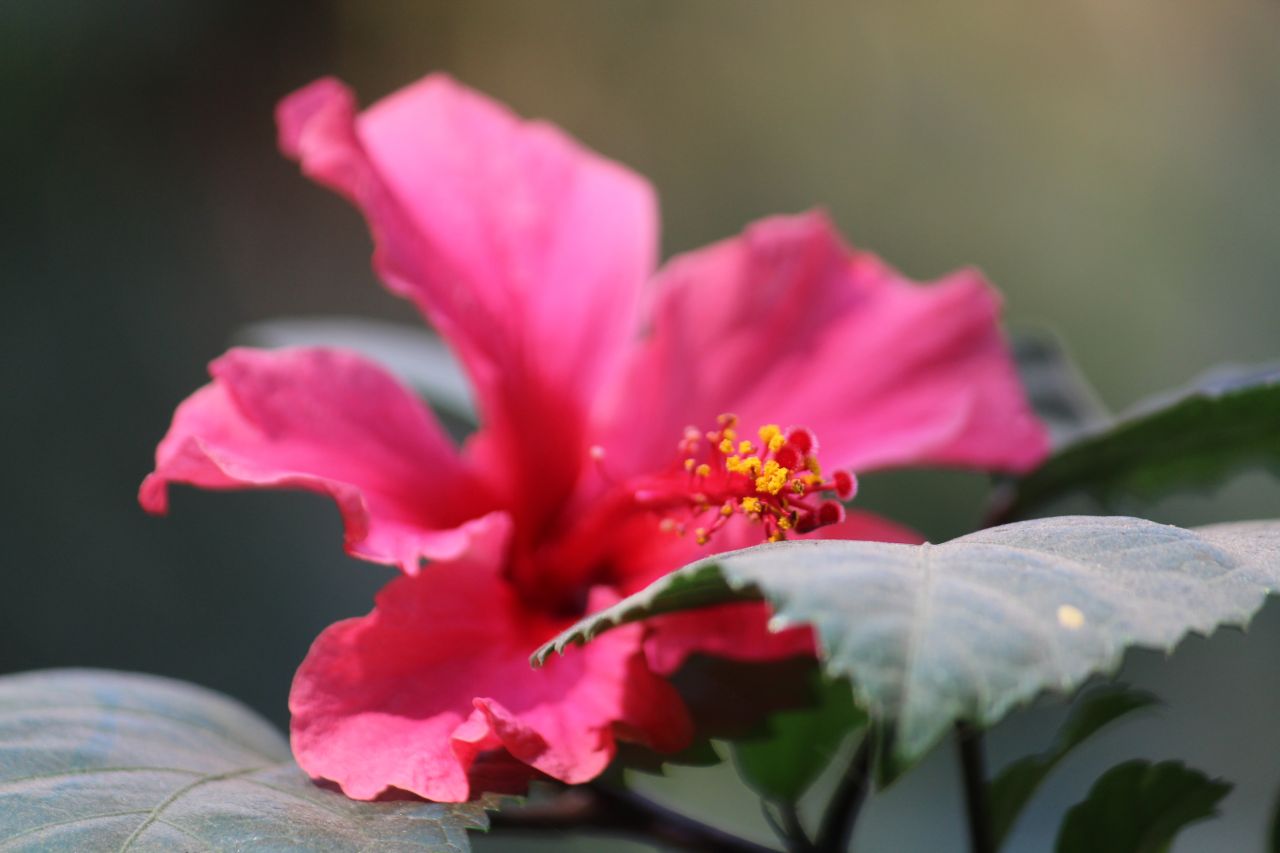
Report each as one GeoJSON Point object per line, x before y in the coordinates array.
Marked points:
{"type": "Point", "coordinates": [1110, 166]}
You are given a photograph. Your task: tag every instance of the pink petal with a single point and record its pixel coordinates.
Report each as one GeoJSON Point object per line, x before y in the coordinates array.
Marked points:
{"type": "Point", "coordinates": [524, 249]}
{"type": "Point", "coordinates": [741, 631]}
{"type": "Point", "coordinates": [867, 527]}
{"type": "Point", "coordinates": [329, 421]}
{"type": "Point", "coordinates": [412, 695]}
{"type": "Point", "coordinates": [734, 631]}
{"type": "Point", "coordinates": [785, 324]}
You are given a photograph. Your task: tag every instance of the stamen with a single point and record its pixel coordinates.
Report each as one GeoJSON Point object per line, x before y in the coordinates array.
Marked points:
{"type": "Point", "coordinates": [777, 483]}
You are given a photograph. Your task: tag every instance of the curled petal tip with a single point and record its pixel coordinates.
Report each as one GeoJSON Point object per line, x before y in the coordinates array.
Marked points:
{"type": "Point", "coordinates": [153, 495]}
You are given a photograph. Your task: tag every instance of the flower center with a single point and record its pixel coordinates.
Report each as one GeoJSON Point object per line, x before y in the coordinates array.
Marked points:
{"type": "Point", "coordinates": [773, 479]}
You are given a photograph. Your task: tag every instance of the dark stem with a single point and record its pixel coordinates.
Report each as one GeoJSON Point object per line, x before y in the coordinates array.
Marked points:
{"type": "Point", "coordinates": [793, 834]}
{"type": "Point", "coordinates": [842, 812]}
{"type": "Point", "coordinates": [612, 811]}
{"type": "Point", "coordinates": [973, 771]}
{"type": "Point", "coordinates": [1002, 508]}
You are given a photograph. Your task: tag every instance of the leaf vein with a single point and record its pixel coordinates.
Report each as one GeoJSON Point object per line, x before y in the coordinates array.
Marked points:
{"type": "Point", "coordinates": [8, 842]}
{"type": "Point", "coordinates": [154, 814]}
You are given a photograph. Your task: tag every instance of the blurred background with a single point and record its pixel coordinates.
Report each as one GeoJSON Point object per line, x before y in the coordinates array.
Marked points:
{"type": "Point", "coordinates": [1112, 167]}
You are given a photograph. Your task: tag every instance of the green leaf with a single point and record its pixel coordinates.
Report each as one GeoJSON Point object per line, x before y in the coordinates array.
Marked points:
{"type": "Point", "coordinates": [96, 760]}
{"type": "Point", "coordinates": [1192, 438]}
{"type": "Point", "coordinates": [967, 630]}
{"type": "Point", "coordinates": [1010, 791]}
{"type": "Point", "coordinates": [800, 745]}
{"type": "Point", "coordinates": [1138, 807]}
{"type": "Point", "coordinates": [415, 355]}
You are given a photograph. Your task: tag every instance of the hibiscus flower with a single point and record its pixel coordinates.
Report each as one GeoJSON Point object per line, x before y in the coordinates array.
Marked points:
{"type": "Point", "coordinates": [605, 456]}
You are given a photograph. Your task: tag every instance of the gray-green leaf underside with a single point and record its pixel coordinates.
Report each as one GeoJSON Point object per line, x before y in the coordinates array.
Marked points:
{"type": "Point", "coordinates": [1058, 392]}
{"type": "Point", "coordinates": [98, 760]}
{"type": "Point", "coordinates": [969, 629]}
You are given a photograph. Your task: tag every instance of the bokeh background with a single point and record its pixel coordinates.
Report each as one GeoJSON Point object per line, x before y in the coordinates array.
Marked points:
{"type": "Point", "coordinates": [1112, 166]}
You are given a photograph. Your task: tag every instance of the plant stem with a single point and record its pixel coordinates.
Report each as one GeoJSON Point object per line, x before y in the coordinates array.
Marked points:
{"type": "Point", "coordinates": [794, 836]}
{"type": "Point", "coordinates": [974, 773]}
{"type": "Point", "coordinates": [1002, 507]}
{"type": "Point", "coordinates": [787, 826]}
{"type": "Point", "coordinates": [842, 812]}
{"type": "Point", "coordinates": [614, 811]}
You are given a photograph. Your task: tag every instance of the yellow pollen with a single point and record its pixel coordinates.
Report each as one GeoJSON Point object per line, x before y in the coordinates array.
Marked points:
{"type": "Point", "coordinates": [769, 432]}
{"type": "Point", "coordinates": [726, 446]}
{"type": "Point", "coordinates": [703, 470]}
{"type": "Point", "coordinates": [701, 535]}
{"type": "Point", "coordinates": [798, 487]}
{"type": "Point", "coordinates": [772, 478]}
{"type": "Point", "coordinates": [729, 433]}
{"type": "Point", "coordinates": [751, 505]}
{"type": "Point", "coordinates": [784, 523]}
{"type": "Point", "coordinates": [727, 420]}
{"type": "Point", "coordinates": [751, 465]}
{"type": "Point", "coordinates": [775, 537]}
{"type": "Point", "coordinates": [727, 509]}
{"type": "Point", "coordinates": [745, 447]}
{"type": "Point", "coordinates": [814, 467]}
{"type": "Point", "coordinates": [689, 463]}
{"type": "Point", "coordinates": [775, 443]}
